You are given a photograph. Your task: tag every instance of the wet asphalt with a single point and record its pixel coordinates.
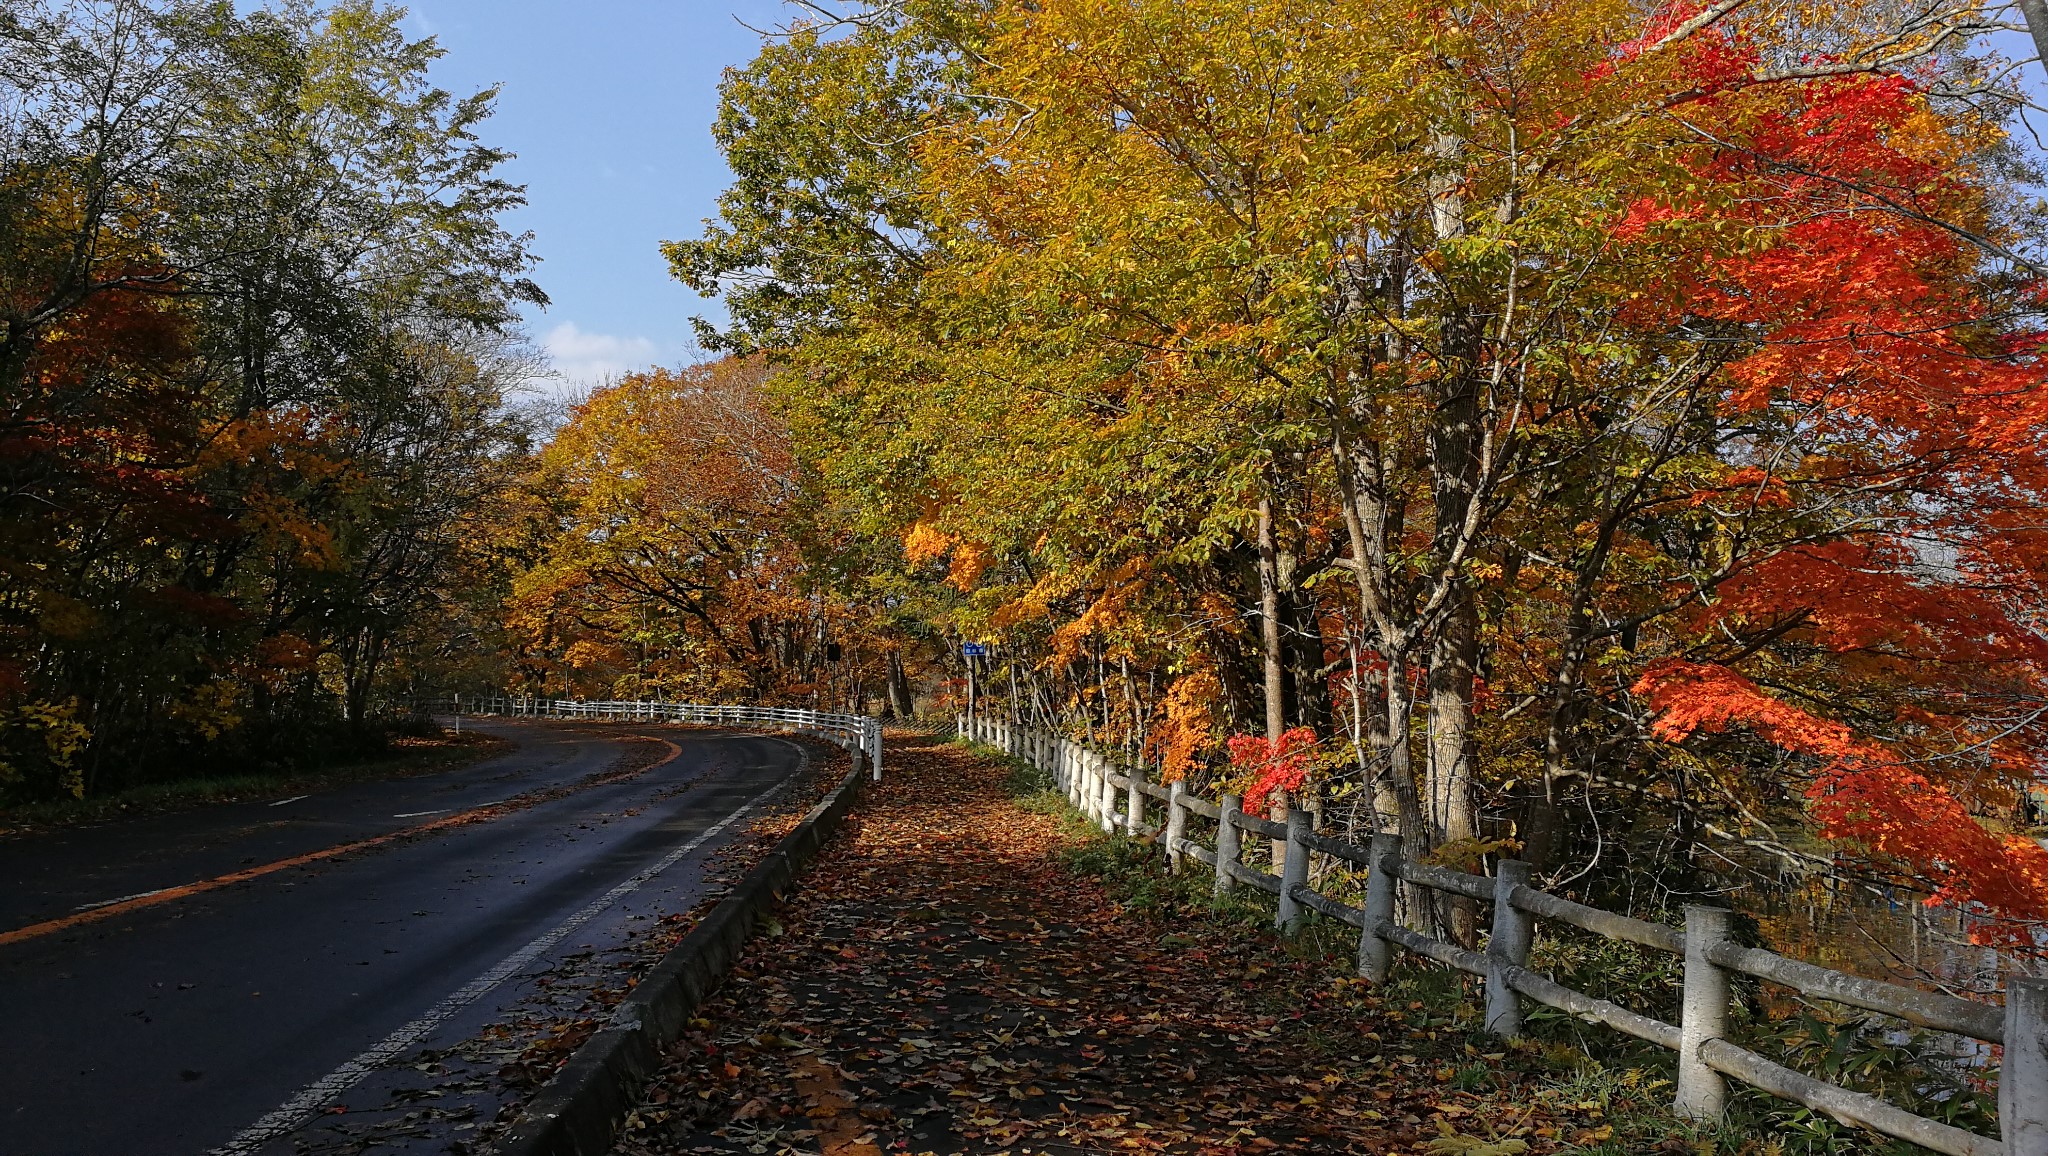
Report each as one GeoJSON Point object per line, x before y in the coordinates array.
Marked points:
{"type": "Point", "coordinates": [176, 1027]}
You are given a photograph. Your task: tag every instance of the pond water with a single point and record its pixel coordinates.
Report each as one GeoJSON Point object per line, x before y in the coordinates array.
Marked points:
{"type": "Point", "coordinates": [1887, 933]}
{"type": "Point", "coordinates": [1881, 932]}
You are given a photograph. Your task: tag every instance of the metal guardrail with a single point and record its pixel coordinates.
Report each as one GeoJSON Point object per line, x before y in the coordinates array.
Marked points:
{"type": "Point", "coordinates": [1706, 1057]}
{"type": "Point", "coordinates": [858, 733]}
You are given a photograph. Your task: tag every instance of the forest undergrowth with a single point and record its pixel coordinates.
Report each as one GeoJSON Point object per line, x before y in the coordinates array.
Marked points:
{"type": "Point", "coordinates": [1602, 1093]}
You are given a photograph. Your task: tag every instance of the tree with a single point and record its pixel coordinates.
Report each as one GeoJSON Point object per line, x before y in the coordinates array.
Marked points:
{"type": "Point", "coordinates": [256, 329]}
{"type": "Point", "coordinates": [1214, 312]}
{"type": "Point", "coordinates": [669, 552]}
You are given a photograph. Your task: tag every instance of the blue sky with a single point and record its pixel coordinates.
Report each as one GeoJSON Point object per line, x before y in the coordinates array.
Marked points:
{"type": "Point", "coordinates": [609, 105]}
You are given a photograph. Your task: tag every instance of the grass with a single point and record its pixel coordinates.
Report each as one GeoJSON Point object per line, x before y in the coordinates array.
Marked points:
{"type": "Point", "coordinates": [407, 757]}
{"type": "Point", "coordinates": [1616, 1090]}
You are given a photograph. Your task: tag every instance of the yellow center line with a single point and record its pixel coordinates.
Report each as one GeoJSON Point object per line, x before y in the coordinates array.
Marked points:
{"type": "Point", "coordinates": [153, 898]}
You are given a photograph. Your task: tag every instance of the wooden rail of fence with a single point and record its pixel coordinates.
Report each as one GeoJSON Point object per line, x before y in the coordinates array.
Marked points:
{"type": "Point", "coordinates": [858, 733]}
{"type": "Point", "coordinates": [1121, 799]}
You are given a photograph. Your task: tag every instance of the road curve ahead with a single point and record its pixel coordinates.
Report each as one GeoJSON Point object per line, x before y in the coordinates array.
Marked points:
{"type": "Point", "coordinates": [220, 980]}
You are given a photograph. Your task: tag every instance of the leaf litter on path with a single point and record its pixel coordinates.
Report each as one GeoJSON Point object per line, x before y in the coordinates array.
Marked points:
{"type": "Point", "coordinates": [942, 984]}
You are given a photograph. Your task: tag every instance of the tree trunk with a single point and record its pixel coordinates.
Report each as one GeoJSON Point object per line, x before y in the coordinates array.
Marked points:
{"type": "Point", "coordinates": [1539, 842]}
{"type": "Point", "coordinates": [1273, 651]}
{"type": "Point", "coordinates": [1307, 666]}
{"type": "Point", "coordinates": [1453, 812]}
{"type": "Point", "coordinates": [1270, 648]}
{"type": "Point", "coordinates": [899, 688]}
{"type": "Point", "coordinates": [1414, 829]}
{"type": "Point", "coordinates": [1369, 514]}
{"type": "Point", "coordinates": [2036, 14]}
{"type": "Point", "coordinates": [1372, 707]}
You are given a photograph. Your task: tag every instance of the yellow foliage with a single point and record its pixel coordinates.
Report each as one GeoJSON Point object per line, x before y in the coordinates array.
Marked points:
{"type": "Point", "coordinates": [1188, 726]}
{"type": "Point", "coordinates": [214, 708]}
{"type": "Point", "coordinates": [970, 562]}
{"type": "Point", "coordinates": [924, 543]}
{"type": "Point", "coordinates": [65, 618]}
{"type": "Point", "coordinates": [62, 737]}
{"type": "Point", "coordinates": [586, 655]}
{"type": "Point", "coordinates": [1124, 586]}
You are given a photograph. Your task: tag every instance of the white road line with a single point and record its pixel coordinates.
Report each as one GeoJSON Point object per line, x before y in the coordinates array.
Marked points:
{"type": "Point", "coordinates": [122, 899]}
{"type": "Point", "coordinates": [287, 1117]}
{"type": "Point", "coordinates": [293, 799]}
{"type": "Point", "coordinates": [417, 814]}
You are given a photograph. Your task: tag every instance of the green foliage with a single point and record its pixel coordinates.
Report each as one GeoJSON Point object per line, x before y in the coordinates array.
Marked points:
{"type": "Point", "coordinates": [256, 336]}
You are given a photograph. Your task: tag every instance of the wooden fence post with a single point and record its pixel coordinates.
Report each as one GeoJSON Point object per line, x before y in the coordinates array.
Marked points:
{"type": "Point", "coordinates": [1226, 844]}
{"type": "Point", "coordinates": [1134, 800]}
{"type": "Point", "coordinates": [2023, 1078]}
{"type": "Point", "coordinates": [1176, 825]}
{"type": "Point", "coordinates": [1108, 793]}
{"type": "Point", "coordinates": [1508, 946]}
{"type": "Point", "coordinates": [1293, 872]}
{"type": "Point", "coordinates": [1702, 1092]}
{"type": "Point", "coordinates": [1093, 781]}
{"type": "Point", "coordinates": [1376, 955]}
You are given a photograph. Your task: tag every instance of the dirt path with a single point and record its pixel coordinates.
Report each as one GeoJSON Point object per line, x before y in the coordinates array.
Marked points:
{"type": "Point", "coordinates": [944, 985]}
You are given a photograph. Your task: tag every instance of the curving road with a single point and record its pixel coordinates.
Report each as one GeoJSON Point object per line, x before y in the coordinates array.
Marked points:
{"type": "Point", "coordinates": [228, 979]}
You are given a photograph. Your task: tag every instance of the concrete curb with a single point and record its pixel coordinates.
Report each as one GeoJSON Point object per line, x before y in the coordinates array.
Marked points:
{"type": "Point", "coordinates": [575, 1112]}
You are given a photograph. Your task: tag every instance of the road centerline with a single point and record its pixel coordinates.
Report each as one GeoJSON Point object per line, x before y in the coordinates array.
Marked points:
{"type": "Point", "coordinates": [287, 1116]}
{"type": "Point", "coordinates": [107, 909]}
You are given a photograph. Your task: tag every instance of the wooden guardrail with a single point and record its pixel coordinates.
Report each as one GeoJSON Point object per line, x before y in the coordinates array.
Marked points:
{"type": "Point", "coordinates": [858, 733]}
{"type": "Point", "coordinates": [1120, 799]}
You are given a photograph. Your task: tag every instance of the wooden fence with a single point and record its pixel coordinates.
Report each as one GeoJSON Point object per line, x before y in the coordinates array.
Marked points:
{"type": "Point", "coordinates": [1123, 800]}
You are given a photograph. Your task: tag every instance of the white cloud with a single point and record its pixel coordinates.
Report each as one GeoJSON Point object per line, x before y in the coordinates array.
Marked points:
{"type": "Point", "coordinates": [587, 359]}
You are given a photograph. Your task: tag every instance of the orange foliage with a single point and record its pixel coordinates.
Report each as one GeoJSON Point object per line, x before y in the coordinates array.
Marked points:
{"type": "Point", "coordinates": [1862, 792]}
{"type": "Point", "coordinates": [1187, 725]}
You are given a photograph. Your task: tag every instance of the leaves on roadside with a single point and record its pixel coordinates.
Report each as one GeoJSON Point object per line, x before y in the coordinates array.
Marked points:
{"type": "Point", "coordinates": [944, 984]}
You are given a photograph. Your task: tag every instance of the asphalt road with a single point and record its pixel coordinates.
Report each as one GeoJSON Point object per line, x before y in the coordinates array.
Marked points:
{"type": "Point", "coordinates": [236, 1016]}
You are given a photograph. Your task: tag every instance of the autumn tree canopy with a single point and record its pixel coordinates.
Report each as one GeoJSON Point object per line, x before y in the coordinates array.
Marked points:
{"type": "Point", "coordinates": [1544, 406]}
{"type": "Point", "coordinates": [669, 550]}
{"type": "Point", "coordinates": [1527, 428]}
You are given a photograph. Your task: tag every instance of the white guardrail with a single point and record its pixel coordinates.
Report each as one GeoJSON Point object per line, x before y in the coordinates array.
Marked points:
{"type": "Point", "coordinates": [859, 734]}
{"type": "Point", "coordinates": [1120, 799]}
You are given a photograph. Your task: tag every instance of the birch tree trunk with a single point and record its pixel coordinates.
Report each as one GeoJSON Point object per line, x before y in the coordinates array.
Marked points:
{"type": "Point", "coordinates": [1274, 653]}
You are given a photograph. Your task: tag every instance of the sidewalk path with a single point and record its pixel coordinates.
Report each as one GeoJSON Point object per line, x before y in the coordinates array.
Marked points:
{"type": "Point", "coordinates": [944, 985]}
